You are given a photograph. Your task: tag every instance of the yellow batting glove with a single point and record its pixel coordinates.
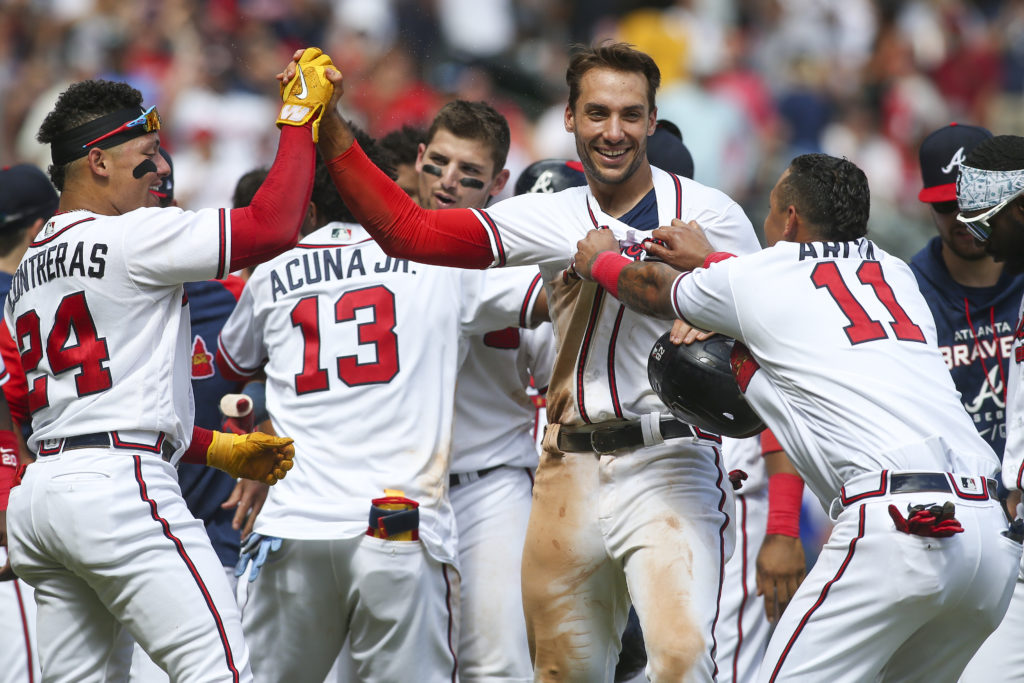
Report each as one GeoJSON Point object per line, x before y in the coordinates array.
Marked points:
{"type": "Point", "coordinates": [256, 456]}
{"type": "Point", "coordinates": [306, 96]}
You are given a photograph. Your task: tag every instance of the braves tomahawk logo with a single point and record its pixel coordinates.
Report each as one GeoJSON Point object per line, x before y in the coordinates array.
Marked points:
{"type": "Point", "coordinates": [202, 360]}
{"type": "Point", "coordinates": [958, 158]}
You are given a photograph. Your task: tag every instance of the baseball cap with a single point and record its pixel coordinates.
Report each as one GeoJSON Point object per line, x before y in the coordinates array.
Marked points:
{"type": "Point", "coordinates": [25, 195]}
{"type": "Point", "coordinates": [166, 190]}
{"type": "Point", "coordinates": [941, 154]}
{"type": "Point", "coordinates": [665, 149]}
{"type": "Point", "coordinates": [550, 175]}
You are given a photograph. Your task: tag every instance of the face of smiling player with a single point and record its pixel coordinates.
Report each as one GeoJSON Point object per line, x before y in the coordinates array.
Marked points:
{"type": "Point", "coordinates": [611, 122]}
{"type": "Point", "coordinates": [128, 192]}
{"type": "Point", "coordinates": [462, 163]}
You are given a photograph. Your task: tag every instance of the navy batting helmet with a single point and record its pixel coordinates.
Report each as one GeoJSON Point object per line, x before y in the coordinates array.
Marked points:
{"type": "Point", "coordinates": [696, 382]}
{"type": "Point", "coordinates": [550, 175]}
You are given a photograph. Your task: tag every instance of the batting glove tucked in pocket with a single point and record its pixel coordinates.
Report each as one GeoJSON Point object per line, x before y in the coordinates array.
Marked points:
{"type": "Point", "coordinates": [255, 549]}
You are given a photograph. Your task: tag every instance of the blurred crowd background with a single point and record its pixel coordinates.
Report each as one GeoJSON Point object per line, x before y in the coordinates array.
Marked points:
{"type": "Point", "coordinates": [751, 83]}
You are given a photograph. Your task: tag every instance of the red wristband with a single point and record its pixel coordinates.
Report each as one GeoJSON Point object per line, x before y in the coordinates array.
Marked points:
{"type": "Point", "coordinates": [769, 444]}
{"type": "Point", "coordinates": [785, 492]}
{"type": "Point", "coordinates": [716, 256]}
{"type": "Point", "coordinates": [196, 452]}
{"type": "Point", "coordinates": [8, 464]}
{"type": "Point", "coordinates": [606, 269]}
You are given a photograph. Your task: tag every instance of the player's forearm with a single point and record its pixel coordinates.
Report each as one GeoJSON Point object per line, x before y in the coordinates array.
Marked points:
{"type": "Point", "coordinates": [643, 286]}
{"type": "Point", "coordinates": [335, 135]}
{"type": "Point", "coordinates": [452, 237]}
{"type": "Point", "coordinates": [270, 224]}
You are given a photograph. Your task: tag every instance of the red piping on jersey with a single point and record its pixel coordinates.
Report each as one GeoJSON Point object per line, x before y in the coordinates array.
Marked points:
{"type": "Point", "coordinates": [60, 232]}
{"type": "Point", "coordinates": [486, 219]}
{"type": "Point", "coordinates": [995, 338]}
{"type": "Point", "coordinates": [968, 496]}
{"type": "Point", "coordinates": [229, 369]}
{"type": "Point", "coordinates": [183, 554]}
{"type": "Point", "coordinates": [742, 503]}
{"type": "Point", "coordinates": [448, 605]}
{"type": "Point", "coordinates": [448, 237]}
{"type": "Point", "coordinates": [611, 362]}
{"type": "Point", "coordinates": [526, 302]}
{"type": "Point", "coordinates": [721, 556]}
{"type": "Point", "coordinates": [595, 309]}
{"type": "Point", "coordinates": [679, 194]}
{"type": "Point", "coordinates": [222, 270]}
{"type": "Point", "coordinates": [24, 631]}
{"type": "Point", "coordinates": [821, 597]}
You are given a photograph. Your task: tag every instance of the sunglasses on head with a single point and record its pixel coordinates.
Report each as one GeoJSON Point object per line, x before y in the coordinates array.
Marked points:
{"type": "Point", "coordinates": [149, 118]}
{"type": "Point", "coordinates": [979, 225]}
{"type": "Point", "coordinates": [471, 183]}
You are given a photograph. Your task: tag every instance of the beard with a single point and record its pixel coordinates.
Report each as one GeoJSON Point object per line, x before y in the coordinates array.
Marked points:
{"type": "Point", "coordinates": [592, 171]}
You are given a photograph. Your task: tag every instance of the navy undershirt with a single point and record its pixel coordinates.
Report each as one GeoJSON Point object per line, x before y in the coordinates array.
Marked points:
{"type": "Point", "coordinates": [643, 216]}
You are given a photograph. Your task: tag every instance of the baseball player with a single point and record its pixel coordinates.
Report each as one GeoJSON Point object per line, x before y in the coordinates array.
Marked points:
{"type": "Point", "coordinates": [973, 298]}
{"type": "Point", "coordinates": [628, 506]}
{"type": "Point", "coordinates": [98, 525]}
{"type": "Point", "coordinates": [989, 190]}
{"type": "Point", "coordinates": [838, 372]}
{"type": "Point", "coordinates": [768, 564]}
{"type": "Point", "coordinates": [461, 164]}
{"type": "Point", "coordinates": [27, 200]}
{"type": "Point", "coordinates": [337, 323]}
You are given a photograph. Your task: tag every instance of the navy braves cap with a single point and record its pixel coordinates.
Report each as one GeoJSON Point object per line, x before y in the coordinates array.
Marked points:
{"type": "Point", "coordinates": [941, 154]}
{"type": "Point", "coordinates": [665, 149]}
{"type": "Point", "coordinates": [166, 190]}
{"type": "Point", "coordinates": [25, 195]}
{"type": "Point", "coordinates": [550, 175]}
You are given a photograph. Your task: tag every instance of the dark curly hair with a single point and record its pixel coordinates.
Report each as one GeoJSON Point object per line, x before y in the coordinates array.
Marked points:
{"type": "Point", "coordinates": [475, 121]}
{"type": "Point", "coordinates": [80, 103]}
{"type": "Point", "coordinates": [1000, 153]}
{"type": "Point", "coordinates": [403, 143]}
{"type": "Point", "coordinates": [329, 206]}
{"type": "Point", "coordinates": [830, 193]}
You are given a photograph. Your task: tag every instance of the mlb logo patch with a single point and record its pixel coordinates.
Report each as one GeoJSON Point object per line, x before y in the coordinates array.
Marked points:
{"type": "Point", "coordinates": [970, 485]}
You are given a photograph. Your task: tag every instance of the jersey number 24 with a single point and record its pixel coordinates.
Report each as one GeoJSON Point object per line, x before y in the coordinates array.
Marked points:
{"type": "Point", "coordinates": [88, 354]}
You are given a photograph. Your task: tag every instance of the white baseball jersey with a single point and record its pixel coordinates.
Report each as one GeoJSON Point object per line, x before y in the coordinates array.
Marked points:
{"type": "Point", "coordinates": [494, 416]}
{"type": "Point", "coordinates": [1013, 455]}
{"type": "Point", "coordinates": [382, 335]}
{"type": "Point", "coordinates": [848, 343]}
{"type": "Point", "coordinates": [83, 272]}
{"type": "Point", "coordinates": [609, 375]}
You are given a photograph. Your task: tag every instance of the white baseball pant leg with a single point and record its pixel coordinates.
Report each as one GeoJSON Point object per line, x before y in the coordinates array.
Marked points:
{"type": "Point", "coordinates": [20, 661]}
{"type": "Point", "coordinates": [653, 519]}
{"type": "Point", "coordinates": [1002, 653]}
{"type": "Point", "coordinates": [880, 604]}
{"type": "Point", "coordinates": [492, 514]}
{"type": "Point", "coordinates": [743, 629]}
{"type": "Point", "coordinates": [107, 541]}
{"type": "Point", "coordinates": [397, 605]}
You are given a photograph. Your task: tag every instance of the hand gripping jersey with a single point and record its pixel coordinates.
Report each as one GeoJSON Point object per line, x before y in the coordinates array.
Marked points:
{"type": "Point", "coordinates": [349, 334]}
{"type": "Point", "coordinates": [601, 369]}
{"type": "Point", "coordinates": [85, 377]}
{"type": "Point", "coordinates": [848, 344]}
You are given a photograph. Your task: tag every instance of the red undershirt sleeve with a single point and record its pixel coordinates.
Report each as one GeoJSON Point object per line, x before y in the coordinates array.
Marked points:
{"type": "Point", "coordinates": [270, 224]}
{"type": "Point", "coordinates": [448, 237]}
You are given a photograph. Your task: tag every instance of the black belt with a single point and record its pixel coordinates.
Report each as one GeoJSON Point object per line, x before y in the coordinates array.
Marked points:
{"type": "Point", "coordinates": [915, 482]}
{"type": "Point", "coordinates": [109, 440]}
{"type": "Point", "coordinates": [611, 438]}
{"type": "Point", "coordinates": [466, 477]}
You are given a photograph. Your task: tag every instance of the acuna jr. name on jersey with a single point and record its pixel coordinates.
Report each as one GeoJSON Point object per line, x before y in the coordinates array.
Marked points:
{"type": "Point", "coordinates": [324, 265]}
{"type": "Point", "coordinates": [63, 259]}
